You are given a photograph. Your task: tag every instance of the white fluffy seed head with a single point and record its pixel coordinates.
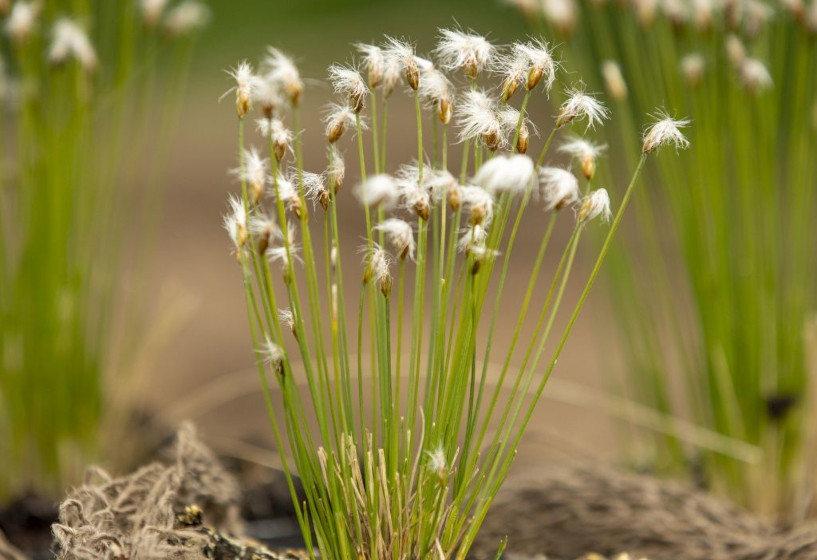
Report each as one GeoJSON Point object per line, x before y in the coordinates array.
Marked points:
{"type": "Point", "coordinates": [581, 105]}
{"type": "Point", "coordinates": [478, 119]}
{"type": "Point", "coordinates": [401, 53]}
{"type": "Point", "coordinates": [478, 203]}
{"type": "Point", "coordinates": [755, 76]}
{"type": "Point", "coordinates": [254, 172]}
{"type": "Point", "coordinates": [152, 11]}
{"type": "Point", "coordinates": [186, 17]}
{"type": "Point", "coordinates": [347, 81]}
{"type": "Point", "coordinates": [559, 187]}
{"type": "Point", "coordinates": [378, 190]}
{"type": "Point", "coordinates": [272, 355]}
{"type": "Point", "coordinates": [235, 222]}
{"type": "Point", "coordinates": [645, 11]}
{"type": "Point", "coordinates": [562, 14]}
{"type": "Point", "coordinates": [70, 40]}
{"type": "Point", "coordinates": [585, 153]}
{"type": "Point", "coordinates": [472, 238]}
{"type": "Point", "coordinates": [541, 66]}
{"type": "Point", "coordinates": [735, 50]}
{"type": "Point", "coordinates": [337, 119]}
{"type": "Point", "coordinates": [336, 171]}
{"type": "Point", "coordinates": [469, 52]}
{"type": "Point", "coordinates": [413, 195]}
{"type": "Point", "coordinates": [23, 19]}
{"type": "Point", "coordinates": [374, 61]}
{"type": "Point", "coordinates": [506, 173]}
{"type": "Point", "coordinates": [400, 235]}
{"type": "Point", "coordinates": [435, 90]}
{"type": "Point", "coordinates": [376, 268]}
{"type": "Point", "coordinates": [282, 70]}
{"type": "Point", "coordinates": [614, 80]}
{"type": "Point", "coordinates": [246, 82]}
{"type": "Point", "coordinates": [275, 131]}
{"type": "Point", "coordinates": [665, 131]}
{"type": "Point", "coordinates": [437, 464]}
{"type": "Point", "coordinates": [692, 68]}
{"type": "Point", "coordinates": [264, 230]}
{"type": "Point", "coordinates": [513, 68]}
{"type": "Point", "coordinates": [438, 182]}
{"type": "Point", "coordinates": [315, 189]}
{"type": "Point", "coordinates": [596, 204]}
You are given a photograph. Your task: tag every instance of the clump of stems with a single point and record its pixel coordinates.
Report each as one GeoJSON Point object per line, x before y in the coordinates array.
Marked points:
{"type": "Point", "coordinates": [401, 455]}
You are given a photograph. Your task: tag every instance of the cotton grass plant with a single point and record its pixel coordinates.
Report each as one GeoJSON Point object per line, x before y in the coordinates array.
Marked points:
{"type": "Point", "coordinates": [401, 458]}
{"type": "Point", "coordinates": [728, 313]}
{"type": "Point", "coordinates": [78, 84]}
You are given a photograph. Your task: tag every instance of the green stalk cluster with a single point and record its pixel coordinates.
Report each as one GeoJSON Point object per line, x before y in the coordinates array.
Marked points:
{"type": "Point", "coordinates": [727, 306]}
{"type": "Point", "coordinates": [401, 455]}
{"type": "Point", "coordinates": [78, 117]}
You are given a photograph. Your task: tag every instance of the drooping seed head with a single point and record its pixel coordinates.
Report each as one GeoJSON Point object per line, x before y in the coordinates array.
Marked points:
{"type": "Point", "coordinates": [585, 153]}
{"type": "Point", "coordinates": [559, 187]}
{"type": "Point", "coordinates": [348, 81]}
{"type": "Point", "coordinates": [665, 131]}
{"type": "Point", "coordinates": [581, 105]}
{"type": "Point", "coordinates": [594, 205]}
{"type": "Point", "coordinates": [469, 52]}
{"type": "Point", "coordinates": [70, 40]}
{"type": "Point", "coordinates": [506, 173]}
{"type": "Point", "coordinates": [400, 235]}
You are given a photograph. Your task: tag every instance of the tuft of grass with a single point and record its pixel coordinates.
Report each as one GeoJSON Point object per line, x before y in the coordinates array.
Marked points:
{"type": "Point", "coordinates": [727, 305]}
{"type": "Point", "coordinates": [78, 89]}
{"type": "Point", "coordinates": [402, 454]}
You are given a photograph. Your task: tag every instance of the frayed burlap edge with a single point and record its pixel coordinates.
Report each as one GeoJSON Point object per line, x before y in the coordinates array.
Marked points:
{"type": "Point", "coordinates": [135, 516]}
